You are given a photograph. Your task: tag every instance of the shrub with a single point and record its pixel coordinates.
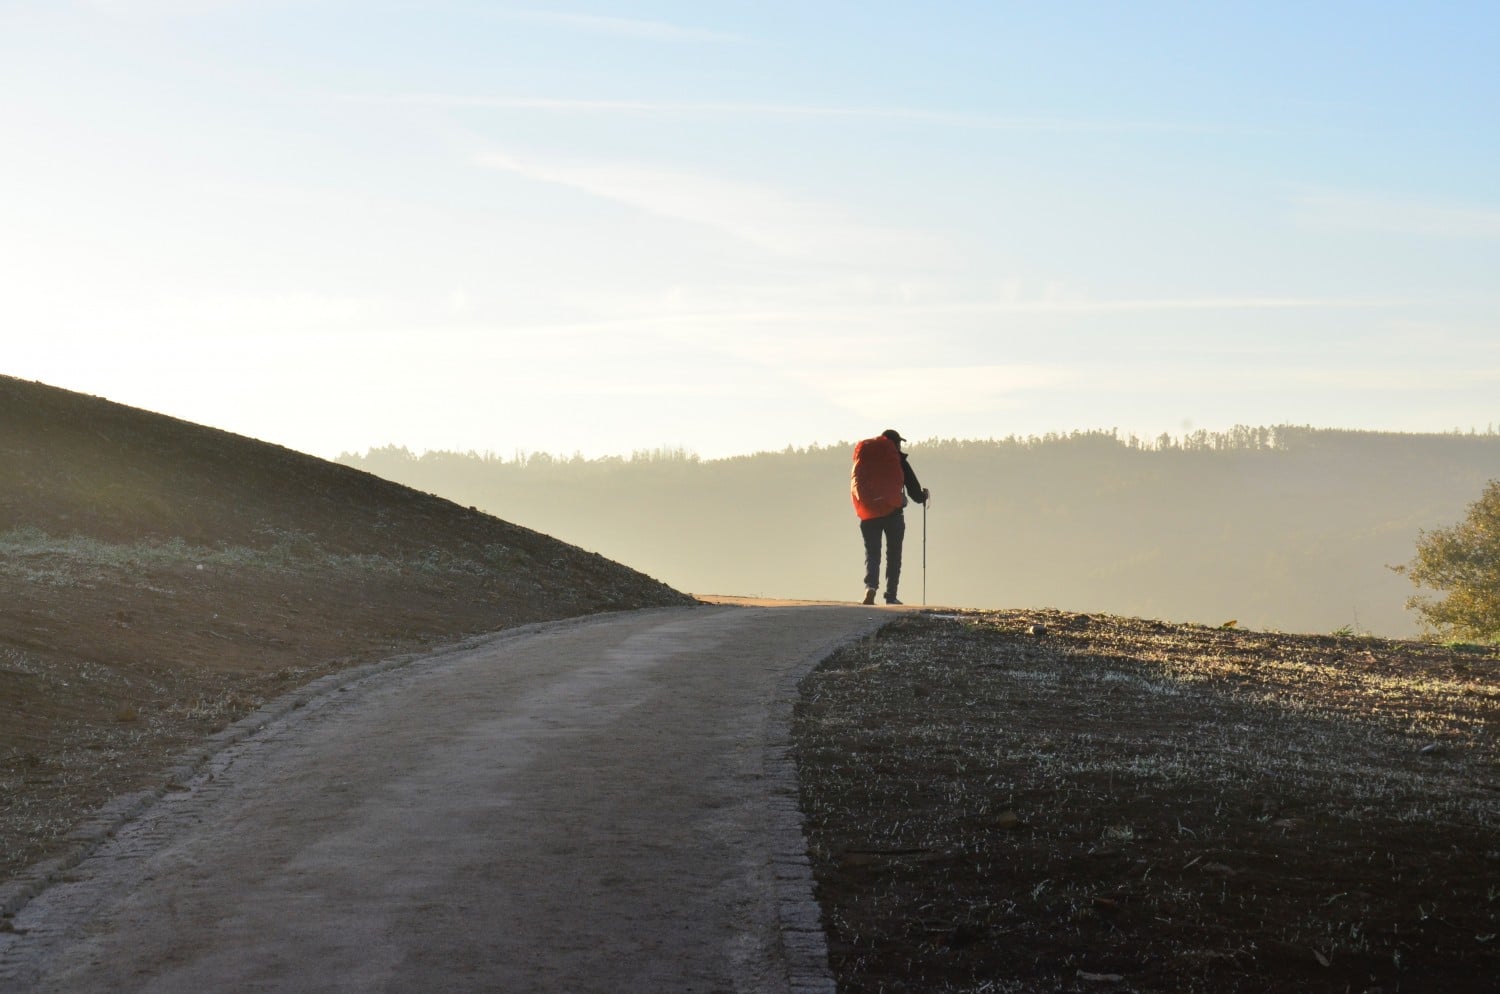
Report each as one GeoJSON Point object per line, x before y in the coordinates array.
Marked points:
{"type": "Point", "coordinates": [1464, 563]}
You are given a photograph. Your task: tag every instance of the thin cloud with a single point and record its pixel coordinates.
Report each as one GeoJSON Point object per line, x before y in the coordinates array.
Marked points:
{"type": "Point", "coordinates": [857, 313]}
{"type": "Point", "coordinates": [1396, 216]}
{"type": "Point", "coordinates": [1226, 371]}
{"type": "Point", "coordinates": [729, 108]}
{"type": "Point", "coordinates": [161, 8]}
{"type": "Point", "coordinates": [776, 334]}
{"type": "Point", "coordinates": [934, 390]}
{"type": "Point", "coordinates": [626, 27]}
{"type": "Point", "coordinates": [1158, 304]}
{"type": "Point", "coordinates": [955, 391]}
{"type": "Point", "coordinates": [757, 214]}
{"type": "Point", "coordinates": [1445, 377]}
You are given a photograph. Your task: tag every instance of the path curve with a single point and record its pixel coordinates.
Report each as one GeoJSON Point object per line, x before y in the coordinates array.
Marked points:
{"type": "Point", "coordinates": [600, 804]}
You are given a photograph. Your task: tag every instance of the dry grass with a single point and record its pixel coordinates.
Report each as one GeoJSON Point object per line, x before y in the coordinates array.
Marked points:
{"type": "Point", "coordinates": [1129, 805]}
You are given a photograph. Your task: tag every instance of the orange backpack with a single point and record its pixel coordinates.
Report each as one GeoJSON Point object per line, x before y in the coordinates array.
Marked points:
{"type": "Point", "coordinates": [877, 480]}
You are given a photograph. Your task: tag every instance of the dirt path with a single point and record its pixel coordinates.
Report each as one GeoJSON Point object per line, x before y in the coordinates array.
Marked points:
{"type": "Point", "coordinates": [595, 805]}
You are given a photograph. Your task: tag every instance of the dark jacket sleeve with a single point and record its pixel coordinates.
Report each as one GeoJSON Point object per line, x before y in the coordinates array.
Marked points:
{"type": "Point", "coordinates": [913, 486]}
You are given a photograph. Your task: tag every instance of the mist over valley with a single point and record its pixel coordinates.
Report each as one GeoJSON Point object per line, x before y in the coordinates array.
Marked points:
{"type": "Point", "coordinates": [1285, 528]}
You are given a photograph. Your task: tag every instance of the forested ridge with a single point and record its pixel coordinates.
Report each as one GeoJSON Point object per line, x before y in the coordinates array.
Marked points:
{"type": "Point", "coordinates": [1289, 528]}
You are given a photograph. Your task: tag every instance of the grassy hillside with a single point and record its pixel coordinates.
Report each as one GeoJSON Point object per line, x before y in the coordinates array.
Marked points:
{"type": "Point", "coordinates": [1279, 528]}
{"type": "Point", "coordinates": [159, 579]}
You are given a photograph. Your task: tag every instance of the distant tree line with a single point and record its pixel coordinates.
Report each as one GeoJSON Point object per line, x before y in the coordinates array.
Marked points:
{"type": "Point", "coordinates": [1283, 527]}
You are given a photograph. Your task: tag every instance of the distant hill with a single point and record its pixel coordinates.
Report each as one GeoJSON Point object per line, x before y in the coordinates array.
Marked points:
{"type": "Point", "coordinates": [1288, 528]}
{"type": "Point", "coordinates": [159, 579]}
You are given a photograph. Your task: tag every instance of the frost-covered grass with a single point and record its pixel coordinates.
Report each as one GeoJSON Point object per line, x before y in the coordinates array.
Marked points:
{"type": "Point", "coordinates": [1181, 808]}
{"type": "Point", "coordinates": [34, 556]}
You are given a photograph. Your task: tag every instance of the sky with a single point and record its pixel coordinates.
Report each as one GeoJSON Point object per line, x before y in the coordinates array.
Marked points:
{"type": "Point", "coordinates": [596, 228]}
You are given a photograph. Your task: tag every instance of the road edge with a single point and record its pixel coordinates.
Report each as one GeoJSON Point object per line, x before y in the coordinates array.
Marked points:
{"type": "Point", "coordinates": [804, 944]}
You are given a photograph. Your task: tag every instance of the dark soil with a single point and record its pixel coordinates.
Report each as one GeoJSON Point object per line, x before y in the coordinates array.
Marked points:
{"type": "Point", "coordinates": [1104, 804]}
{"type": "Point", "coordinates": [159, 580]}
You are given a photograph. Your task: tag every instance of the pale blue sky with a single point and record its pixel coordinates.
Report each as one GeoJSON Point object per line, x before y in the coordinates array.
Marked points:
{"type": "Point", "coordinates": [731, 227]}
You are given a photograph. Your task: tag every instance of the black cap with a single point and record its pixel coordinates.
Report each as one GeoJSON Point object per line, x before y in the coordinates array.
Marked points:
{"type": "Point", "coordinates": [893, 435]}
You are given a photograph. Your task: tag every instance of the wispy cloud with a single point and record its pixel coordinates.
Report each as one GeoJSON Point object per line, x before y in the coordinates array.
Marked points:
{"type": "Point", "coordinates": [933, 390]}
{"type": "Point", "coordinates": [1139, 305]}
{"type": "Point", "coordinates": [782, 335]}
{"type": "Point", "coordinates": [939, 391]}
{"type": "Point", "coordinates": [723, 108]}
{"type": "Point", "coordinates": [1448, 376]}
{"type": "Point", "coordinates": [1358, 212]}
{"type": "Point", "coordinates": [160, 8]}
{"type": "Point", "coordinates": [761, 215]}
{"type": "Point", "coordinates": [627, 27]}
{"type": "Point", "coordinates": [1158, 304]}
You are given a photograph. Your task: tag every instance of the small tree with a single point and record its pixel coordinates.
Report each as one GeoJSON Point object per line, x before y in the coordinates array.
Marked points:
{"type": "Point", "coordinates": [1463, 561]}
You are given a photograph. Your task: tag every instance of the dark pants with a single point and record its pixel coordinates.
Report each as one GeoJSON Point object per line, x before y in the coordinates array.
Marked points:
{"type": "Point", "coordinates": [893, 527]}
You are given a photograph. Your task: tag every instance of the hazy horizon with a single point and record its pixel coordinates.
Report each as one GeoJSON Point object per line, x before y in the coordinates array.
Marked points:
{"type": "Point", "coordinates": [1283, 527]}
{"type": "Point", "coordinates": [732, 227]}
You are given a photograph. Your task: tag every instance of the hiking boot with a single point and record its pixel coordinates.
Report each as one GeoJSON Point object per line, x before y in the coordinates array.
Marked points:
{"type": "Point", "coordinates": [869, 596]}
{"type": "Point", "coordinates": [891, 599]}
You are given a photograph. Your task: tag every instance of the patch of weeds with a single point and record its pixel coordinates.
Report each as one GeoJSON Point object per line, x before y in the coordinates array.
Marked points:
{"type": "Point", "coordinates": [220, 709]}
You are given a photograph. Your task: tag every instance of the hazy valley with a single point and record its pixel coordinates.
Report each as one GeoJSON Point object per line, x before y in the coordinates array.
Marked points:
{"type": "Point", "coordinates": [1279, 528]}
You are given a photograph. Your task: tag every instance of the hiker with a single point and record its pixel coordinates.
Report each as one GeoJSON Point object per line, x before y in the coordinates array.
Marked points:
{"type": "Point", "coordinates": [880, 483]}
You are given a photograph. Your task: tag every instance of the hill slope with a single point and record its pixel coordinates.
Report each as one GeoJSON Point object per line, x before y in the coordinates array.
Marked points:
{"type": "Point", "coordinates": [159, 579]}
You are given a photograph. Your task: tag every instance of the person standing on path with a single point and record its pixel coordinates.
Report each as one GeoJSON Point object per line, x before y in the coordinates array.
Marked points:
{"type": "Point", "coordinates": [880, 484]}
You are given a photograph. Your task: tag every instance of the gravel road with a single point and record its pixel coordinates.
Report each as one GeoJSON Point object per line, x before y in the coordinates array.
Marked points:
{"type": "Point", "coordinates": [593, 805]}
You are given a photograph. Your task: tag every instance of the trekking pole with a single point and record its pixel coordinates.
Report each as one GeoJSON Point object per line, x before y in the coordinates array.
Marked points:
{"type": "Point", "coordinates": [924, 550]}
